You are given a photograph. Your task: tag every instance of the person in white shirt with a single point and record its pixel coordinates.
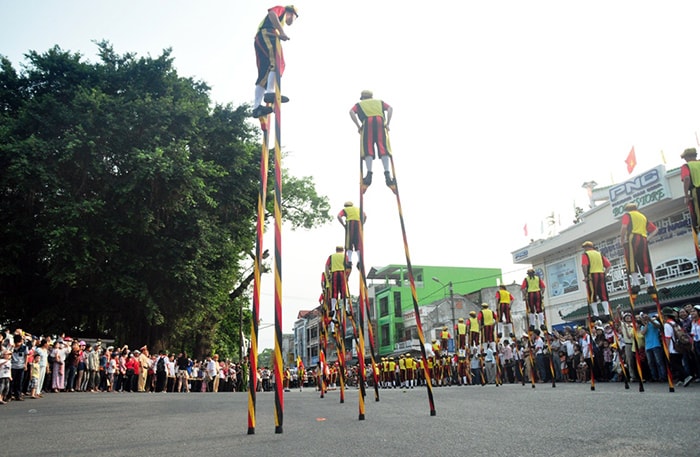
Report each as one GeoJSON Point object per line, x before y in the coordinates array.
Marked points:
{"type": "Point", "coordinates": [680, 376]}
{"type": "Point", "coordinates": [5, 374]}
{"type": "Point", "coordinates": [170, 371]}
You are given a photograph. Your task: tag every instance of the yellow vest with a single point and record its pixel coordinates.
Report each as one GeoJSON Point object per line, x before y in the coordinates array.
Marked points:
{"type": "Point", "coordinates": [445, 335]}
{"type": "Point", "coordinates": [503, 296]}
{"type": "Point", "coordinates": [409, 363]}
{"type": "Point", "coordinates": [473, 324]}
{"type": "Point", "coordinates": [402, 364]}
{"type": "Point", "coordinates": [533, 284]}
{"type": "Point", "coordinates": [352, 213]}
{"type": "Point", "coordinates": [462, 328]}
{"type": "Point", "coordinates": [372, 107]}
{"type": "Point", "coordinates": [639, 223]}
{"type": "Point", "coordinates": [338, 261]}
{"type": "Point", "coordinates": [694, 168]}
{"type": "Point", "coordinates": [487, 314]}
{"type": "Point", "coordinates": [595, 261]}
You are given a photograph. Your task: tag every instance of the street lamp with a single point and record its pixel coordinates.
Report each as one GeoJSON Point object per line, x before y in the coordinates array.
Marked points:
{"type": "Point", "coordinates": [452, 299]}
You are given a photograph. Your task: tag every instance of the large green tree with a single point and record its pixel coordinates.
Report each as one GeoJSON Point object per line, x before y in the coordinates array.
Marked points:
{"type": "Point", "coordinates": [128, 203]}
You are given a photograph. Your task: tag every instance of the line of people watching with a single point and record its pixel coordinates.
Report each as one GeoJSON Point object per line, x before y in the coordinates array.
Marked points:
{"type": "Point", "coordinates": [607, 352]}
{"type": "Point", "coordinates": [31, 366]}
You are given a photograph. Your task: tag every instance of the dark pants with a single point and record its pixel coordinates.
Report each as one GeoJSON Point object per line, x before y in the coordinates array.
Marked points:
{"type": "Point", "coordinates": [160, 381]}
{"type": "Point", "coordinates": [17, 380]}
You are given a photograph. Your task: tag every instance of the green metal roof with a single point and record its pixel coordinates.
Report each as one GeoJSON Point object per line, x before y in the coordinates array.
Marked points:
{"type": "Point", "coordinates": [667, 296]}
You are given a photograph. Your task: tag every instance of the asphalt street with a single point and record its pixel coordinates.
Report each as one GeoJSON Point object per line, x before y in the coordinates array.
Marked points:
{"type": "Point", "coordinates": [510, 420]}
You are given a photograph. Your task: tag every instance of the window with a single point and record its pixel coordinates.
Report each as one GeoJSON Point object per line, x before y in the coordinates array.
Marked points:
{"type": "Point", "coordinates": [397, 304]}
{"type": "Point", "coordinates": [385, 337]}
{"type": "Point", "coordinates": [383, 306]}
{"type": "Point", "coordinates": [398, 329]}
{"type": "Point", "coordinates": [371, 308]}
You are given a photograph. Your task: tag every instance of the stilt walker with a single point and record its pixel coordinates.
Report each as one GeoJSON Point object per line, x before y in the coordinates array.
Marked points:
{"type": "Point", "coordinates": [690, 175]}
{"type": "Point", "coordinates": [270, 64]}
{"type": "Point", "coordinates": [635, 231]}
{"type": "Point", "coordinates": [532, 289]}
{"type": "Point", "coordinates": [373, 128]}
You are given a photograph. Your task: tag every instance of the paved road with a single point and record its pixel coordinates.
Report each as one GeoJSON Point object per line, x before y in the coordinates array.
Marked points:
{"type": "Point", "coordinates": [510, 420]}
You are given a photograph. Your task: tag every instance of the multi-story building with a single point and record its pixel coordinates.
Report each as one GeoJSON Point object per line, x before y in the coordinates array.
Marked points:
{"type": "Point", "coordinates": [557, 260]}
{"type": "Point", "coordinates": [440, 297]}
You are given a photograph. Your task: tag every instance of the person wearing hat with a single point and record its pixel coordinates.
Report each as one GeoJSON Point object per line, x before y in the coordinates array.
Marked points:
{"type": "Point", "coordinates": [392, 373]}
{"type": "Point", "coordinates": [444, 339]}
{"type": "Point", "coordinates": [461, 331]}
{"type": "Point", "coordinates": [337, 271]}
{"type": "Point", "coordinates": [532, 289]}
{"type": "Point", "coordinates": [504, 300]}
{"type": "Point", "coordinates": [410, 370]}
{"type": "Point", "coordinates": [473, 328]}
{"type": "Point", "coordinates": [350, 218]}
{"type": "Point", "coordinates": [690, 175]}
{"type": "Point", "coordinates": [635, 231]}
{"type": "Point", "coordinates": [628, 343]}
{"type": "Point", "coordinates": [595, 267]}
{"type": "Point", "coordinates": [271, 28]}
{"type": "Point", "coordinates": [373, 126]}
{"type": "Point", "coordinates": [487, 321]}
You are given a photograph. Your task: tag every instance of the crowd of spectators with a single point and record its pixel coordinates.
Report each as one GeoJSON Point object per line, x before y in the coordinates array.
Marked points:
{"type": "Point", "coordinates": [31, 366]}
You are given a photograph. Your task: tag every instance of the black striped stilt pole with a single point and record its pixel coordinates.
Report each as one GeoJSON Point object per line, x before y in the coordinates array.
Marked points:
{"type": "Point", "coordinates": [364, 295]}
{"type": "Point", "coordinates": [629, 257]}
{"type": "Point", "coordinates": [548, 337]}
{"type": "Point", "coordinates": [623, 368]}
{"type": "Point", "coordinates": [257, 268]}
{"type": "Point", "coordinates": [664, 343]}
{"type": "Point", "coordinates": [591, 331]}
{"type": "Point", "coordinates": [278, 365]}
{"type": "Point", "coordinates": [412, 282]}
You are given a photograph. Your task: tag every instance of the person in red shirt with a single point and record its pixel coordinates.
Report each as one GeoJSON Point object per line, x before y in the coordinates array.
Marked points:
{"type": "Point", "coordinates": [271, 28]}
{"type": "Point", "coordinates": [504, 300]}
{"type": "Point", "coordinates": [595, 266]}
{"type": "Point", "coordinates": [635, 232]}
{"type": "Point", "coordinates": [532, 289]}
{"type": "Point", "coordinates": [373, 126]}
{"type": "Point", "coordinates": [133, 368]}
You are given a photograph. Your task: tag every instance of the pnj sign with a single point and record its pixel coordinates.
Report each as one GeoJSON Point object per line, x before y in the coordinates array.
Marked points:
{"type": "Point", "coordinates": [645, 189]}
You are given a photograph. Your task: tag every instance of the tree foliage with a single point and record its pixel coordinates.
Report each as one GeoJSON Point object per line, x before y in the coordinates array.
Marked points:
{"type": "Point", "coordinates": [128, 203]}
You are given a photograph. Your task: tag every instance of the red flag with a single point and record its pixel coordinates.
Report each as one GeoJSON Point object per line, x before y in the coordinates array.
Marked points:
{"type": "Point", "coordinates": [631, 161]}
{"type": "Point", "coordinates": [525, 229]}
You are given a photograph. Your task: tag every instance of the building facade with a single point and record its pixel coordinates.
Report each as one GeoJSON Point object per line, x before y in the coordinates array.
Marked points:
{"type": "Point", "coordinates": [440, 294]}
{"type": "Point", "coordinates": [557, 260]}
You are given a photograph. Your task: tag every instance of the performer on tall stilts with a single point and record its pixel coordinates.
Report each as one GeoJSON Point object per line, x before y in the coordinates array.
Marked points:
{"type": "Point", "coordinates": [533, 289]}
{"type": "Point", "coordinates": [635, 232]}
{"type": "Point", "coordinates": [595, 267]}
{"type": "Point", "coordinates": [271, 28]}
{"type": "Point", "coordinates": [504, 299]}
{"type": "Point", "coordinates": [373, 125]}
{"type": "Point", "coordinates": [351, 218]}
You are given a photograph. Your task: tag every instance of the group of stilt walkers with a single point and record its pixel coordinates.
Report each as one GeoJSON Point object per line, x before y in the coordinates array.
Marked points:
{"type": "Point", "coordinates": [372, 118]}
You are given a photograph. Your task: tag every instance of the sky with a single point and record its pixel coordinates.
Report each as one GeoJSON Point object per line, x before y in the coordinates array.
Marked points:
{"type": "Point", "coordinates": [502, 110]}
